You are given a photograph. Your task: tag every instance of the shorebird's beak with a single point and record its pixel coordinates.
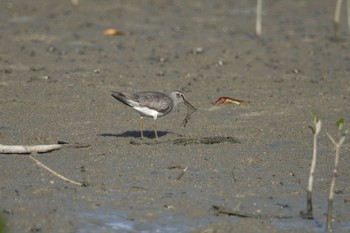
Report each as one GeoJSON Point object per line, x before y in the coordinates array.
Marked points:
{"type": "Point", "coordinates": [189, 105]}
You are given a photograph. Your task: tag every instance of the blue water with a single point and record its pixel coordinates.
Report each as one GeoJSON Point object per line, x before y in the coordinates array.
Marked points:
{"type": "Point", "coordinates": [100, 221]}
{"type": "Point", "coordinates": [118, 222]}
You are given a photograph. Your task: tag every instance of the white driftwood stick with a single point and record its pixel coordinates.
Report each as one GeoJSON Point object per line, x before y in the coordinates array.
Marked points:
{"type": "Point", "coordinates": [22, 149]}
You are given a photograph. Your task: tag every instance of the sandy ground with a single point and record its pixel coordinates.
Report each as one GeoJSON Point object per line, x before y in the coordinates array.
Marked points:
{"type": "Point", "coordinates": [57, 70]}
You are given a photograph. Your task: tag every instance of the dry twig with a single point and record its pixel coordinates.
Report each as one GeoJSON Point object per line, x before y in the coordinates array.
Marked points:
{"type": "Point", "coordinates": [40, 164]}
{"type": "Point", "coordinates": [182, 173]}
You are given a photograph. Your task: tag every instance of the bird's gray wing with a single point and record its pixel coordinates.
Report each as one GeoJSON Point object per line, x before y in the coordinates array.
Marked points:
{"type": "Point", "coordinates": [155, 100]}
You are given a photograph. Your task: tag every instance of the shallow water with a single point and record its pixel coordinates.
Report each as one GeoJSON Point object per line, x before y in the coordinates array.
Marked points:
{"type": "Point", "coordinates": [101, 221]}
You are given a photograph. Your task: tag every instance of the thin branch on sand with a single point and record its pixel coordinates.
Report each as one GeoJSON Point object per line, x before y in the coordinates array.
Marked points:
{"type": "Point", "coordinates": [182, 173]}
{"type": "Point", "coordinates": [40, 164]}
{"type": "Point", "coordinates": [220, 210]}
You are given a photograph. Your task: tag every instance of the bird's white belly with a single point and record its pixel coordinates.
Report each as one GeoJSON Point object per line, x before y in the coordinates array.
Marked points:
{"type": "Point", "coordinates": [148, 112]}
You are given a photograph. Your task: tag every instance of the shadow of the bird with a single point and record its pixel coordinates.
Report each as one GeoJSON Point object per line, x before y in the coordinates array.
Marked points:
{"type": "Point", "coordinates": [134, 134]}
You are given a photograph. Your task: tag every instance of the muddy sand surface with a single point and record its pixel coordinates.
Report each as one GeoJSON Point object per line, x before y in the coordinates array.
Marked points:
{"type": "Point", "coordinates": [57, 71]}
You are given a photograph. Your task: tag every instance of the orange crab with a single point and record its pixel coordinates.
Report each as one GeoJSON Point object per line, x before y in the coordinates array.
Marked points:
{"type": "Point", "coordinates": [227, 100]}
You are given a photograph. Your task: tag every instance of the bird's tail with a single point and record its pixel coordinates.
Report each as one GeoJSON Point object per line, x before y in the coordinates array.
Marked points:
{"type": "Point", "coordinates": [121, 97]}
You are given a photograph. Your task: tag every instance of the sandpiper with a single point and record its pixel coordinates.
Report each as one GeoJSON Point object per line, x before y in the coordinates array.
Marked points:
{"type": "Point", "coordinates": [152, 104]}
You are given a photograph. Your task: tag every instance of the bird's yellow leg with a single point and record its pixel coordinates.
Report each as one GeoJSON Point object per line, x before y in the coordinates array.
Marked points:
{"type": "Point", "coordinates": [141, 126]}
{"type": "Point", "coordinates": [155, 128]}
